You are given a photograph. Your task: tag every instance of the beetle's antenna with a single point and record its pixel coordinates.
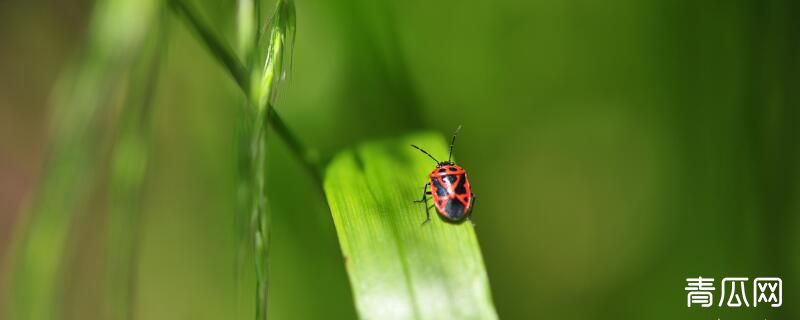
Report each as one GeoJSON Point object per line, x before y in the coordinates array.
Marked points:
{"type": "Point", "coordinates": [425, 152]}
{"type": "Point", "coordinates": [453, 143]}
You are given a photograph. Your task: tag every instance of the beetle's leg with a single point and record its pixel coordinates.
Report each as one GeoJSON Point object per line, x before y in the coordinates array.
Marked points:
{"type": "Point", "coordinates": [425, 192]}
{"type": "Point", "coordinates": [424, 199]}
{"type": "Point", "coordinates": [427, 208]}
{"type": "Point", "coordinates": [427, 215]}
{"type": "Point", "coordinates": [471, 206]}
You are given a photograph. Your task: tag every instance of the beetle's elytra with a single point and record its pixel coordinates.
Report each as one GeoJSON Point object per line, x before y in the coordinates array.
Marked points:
{"type": "Point", "coordinates": [450, 190]}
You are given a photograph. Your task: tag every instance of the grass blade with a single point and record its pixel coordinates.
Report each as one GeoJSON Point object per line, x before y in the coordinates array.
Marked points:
{"type": "Point", "coordinates": [275, 50]}
{"type": "Point", "coordinates": [398, 268]}
{"type": "Point", "coordinates": [253, 132]}
{"type": "Point", "coordinates": [248, 18]}
{"type": "Point", "coordinates": [129, 158]}
{"type": "Point", "coordinates": [258, 83]}
{"type": "Point", "coordinates": [83, 99]}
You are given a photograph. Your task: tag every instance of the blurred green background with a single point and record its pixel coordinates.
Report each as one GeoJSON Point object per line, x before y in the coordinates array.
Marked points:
{"type": "Point", "coordinates": [617, 148]}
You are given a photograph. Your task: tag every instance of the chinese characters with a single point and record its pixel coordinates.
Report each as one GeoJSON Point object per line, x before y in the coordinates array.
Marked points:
{"type": "Point", "coordinates": [734, 292]}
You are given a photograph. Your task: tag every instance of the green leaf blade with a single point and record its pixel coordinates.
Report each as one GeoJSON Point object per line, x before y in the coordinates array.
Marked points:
{"type": "Point", "coordinates": [398, 268]}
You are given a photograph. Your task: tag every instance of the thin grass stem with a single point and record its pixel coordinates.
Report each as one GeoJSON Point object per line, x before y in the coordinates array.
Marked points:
{"type": "Point", "coordinates": [221, 51]}
{"type": "Point", "coordinates": [240, 74]}
{"type": "Point", "coordinates": [308, 157]}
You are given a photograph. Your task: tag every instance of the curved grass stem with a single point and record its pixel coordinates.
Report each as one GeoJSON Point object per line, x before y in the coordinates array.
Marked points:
{"type": "Point", "coordinates": [307, 156]}
{"type": "Point", "coordinates": [242, 76]}
{"type": "Point", "coordinates": [221, 51]}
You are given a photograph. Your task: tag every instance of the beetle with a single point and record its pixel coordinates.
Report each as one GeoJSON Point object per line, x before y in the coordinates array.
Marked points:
{"type": "Point", "coordinates": [450, 189]}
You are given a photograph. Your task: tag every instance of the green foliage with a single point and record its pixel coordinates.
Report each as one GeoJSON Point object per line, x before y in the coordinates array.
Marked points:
{"type": "Point", "coordinates": [129, 161]}
{"type": "Point", "coordinates": [411, 271]}
{"type": "Point", "coordinates": [398, 268]}
{"type": "Point", "coordinates": [253, 136]}
{"type": "Point", "coordinates": [644, 147]}
{"type": "Point", "coordinates": [83, 100]}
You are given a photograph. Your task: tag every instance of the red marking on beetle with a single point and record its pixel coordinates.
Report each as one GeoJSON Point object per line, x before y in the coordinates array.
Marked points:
{"type": "Point", "coordinates": [464, 195]}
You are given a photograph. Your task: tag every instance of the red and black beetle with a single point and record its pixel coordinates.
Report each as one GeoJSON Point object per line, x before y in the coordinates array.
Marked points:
{"type": "Point", "coordinates": [450, 188]}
